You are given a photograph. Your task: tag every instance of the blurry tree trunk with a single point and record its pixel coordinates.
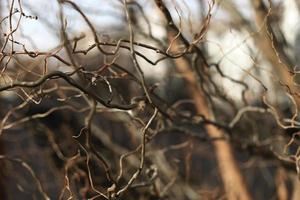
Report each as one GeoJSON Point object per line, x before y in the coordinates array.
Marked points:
{"type": "Point", "coordinates": [231, 176]}
{"type": "Point", "coordinates": [296, 188]}
{"type": "Point", "coordinates": [298, 4]}
{"type": "Point", "coordinates": [273, 48]}
{"type": "Point", "coordinates": [281, 178]}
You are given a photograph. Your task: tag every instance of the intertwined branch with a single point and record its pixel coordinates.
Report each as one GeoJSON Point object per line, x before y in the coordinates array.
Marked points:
{"type": "Point", "coordinates": [108, 129]}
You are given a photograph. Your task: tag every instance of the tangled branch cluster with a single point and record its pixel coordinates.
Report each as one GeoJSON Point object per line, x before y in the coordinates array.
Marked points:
{"type": "Point", "coordinates": [90, 122]}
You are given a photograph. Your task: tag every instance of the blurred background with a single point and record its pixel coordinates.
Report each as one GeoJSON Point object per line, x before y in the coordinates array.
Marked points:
{"type": "Point", "coordinates": [137, 99]}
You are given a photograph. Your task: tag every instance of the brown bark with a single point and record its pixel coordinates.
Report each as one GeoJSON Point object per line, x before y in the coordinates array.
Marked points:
{"type": "Point", "coordinates": [282, 190]}
{"type": "Point", "coordinates": [232, 178]}
{"type": "Point", "coordinates": [296, 188]}
{"type": "Point", "coordinates": [273, 48]}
